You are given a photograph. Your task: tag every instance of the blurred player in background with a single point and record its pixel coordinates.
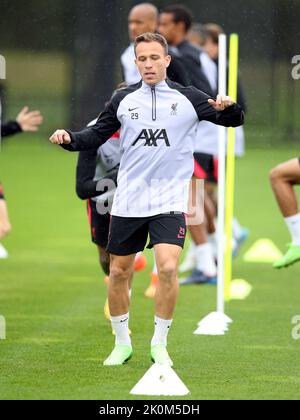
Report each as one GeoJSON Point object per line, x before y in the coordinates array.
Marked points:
{"type": "Point", "coordinates": [25, 122]}
{"type": "Point", "coordinates": [143, 18]}
{"type": "Point", "coordinates": [94, 169]}
{"type": "Point", "coordinates": [206, 150]}
{"type": "Point", "coordinates": [175, 23]}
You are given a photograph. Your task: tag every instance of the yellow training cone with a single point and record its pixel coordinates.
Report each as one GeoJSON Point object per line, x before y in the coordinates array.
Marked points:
{"type": "Point", "coordinates": [263, 251]}
{"type": "Point", "coordinates": [240, 289]}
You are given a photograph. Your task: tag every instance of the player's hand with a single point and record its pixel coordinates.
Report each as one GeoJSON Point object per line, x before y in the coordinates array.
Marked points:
{"type": "Point", "coordinates": [60, 137]}
{"type": "Point", "coordinates": [221, 103]}
{"type": "Point", "coordinates": [29, 121]}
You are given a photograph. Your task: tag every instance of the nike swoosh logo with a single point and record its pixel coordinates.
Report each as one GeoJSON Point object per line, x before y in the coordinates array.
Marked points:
{"type": "Point", "coordinates": [124, 320]}
{"type": "Point", "coordinates": [133, 109]}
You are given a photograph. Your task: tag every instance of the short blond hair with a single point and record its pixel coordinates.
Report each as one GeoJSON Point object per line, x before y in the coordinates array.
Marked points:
{"type": "Point", "coordinates": [152, 37]}
{"type": "Point", "coordinates": [213, 30]}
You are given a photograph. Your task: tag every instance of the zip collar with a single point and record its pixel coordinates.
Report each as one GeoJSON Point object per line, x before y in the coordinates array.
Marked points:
{"type": "Point", "coordinates": [147, 88]}
{"type": "Point", "coordinates": [152, 90]}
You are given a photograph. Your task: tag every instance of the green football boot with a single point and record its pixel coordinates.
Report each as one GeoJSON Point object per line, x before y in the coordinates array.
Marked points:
{"type": "Point", "coordinates": [159, 354]}
{"type": "Point", "coordinates": [290, 258]}
{"type": "Point", "coordinates": [120, 355]}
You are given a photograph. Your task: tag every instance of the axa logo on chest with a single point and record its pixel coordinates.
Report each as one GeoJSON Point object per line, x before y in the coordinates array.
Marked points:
{"type": "Point", "coordinates": [151, 137]}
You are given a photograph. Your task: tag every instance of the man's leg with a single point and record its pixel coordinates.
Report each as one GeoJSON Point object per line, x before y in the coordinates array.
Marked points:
{"type": "Point", "coordinates": [167, 259]}
{"type": "Point", "coordinates": [283, 178]}
{"type": "Point", "coordinates": [205, 269]}
{"type": "Point", "coordinates": [99, 225]}
{"type": "Point", "coordinates": [210, 214]}
{"type": "Point", "coordinates": [127, 237]}
{"type": "Point", "coordinates": [211, 217]}
{"type": "Point", "coordinates": [151, 289]}
{"type": "Point", "coordinates": [104, 259]}
{"type": "Point", "coordinates": [121, 271]}
{"type": "Point", "coordinates": [239, 233]}
{"type": "Point", "coordinates": [5, 226]}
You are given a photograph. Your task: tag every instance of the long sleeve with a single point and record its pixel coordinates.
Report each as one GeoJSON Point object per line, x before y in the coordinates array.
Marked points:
{"type": "Point", "coordinates": [241, 95]}
{"type": "Point", "coordinates": [93, 137]}
{"type": "Point", "coordinates": [10, 129]}
{"type": "Point", "coordinates": [230, 117]}
{"type": "Point", "coordinates": [86, 187]}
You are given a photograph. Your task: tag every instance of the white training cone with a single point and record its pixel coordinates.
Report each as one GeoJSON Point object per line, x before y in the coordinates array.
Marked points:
{"type": "Point", "coordinates": [210, 330]}
{"type": "Point", "coordinates": [215, 323]}
{"type": "Point", "coordinates": [160, 381]}
{"type": "Point", "coordinates": [218, 317]}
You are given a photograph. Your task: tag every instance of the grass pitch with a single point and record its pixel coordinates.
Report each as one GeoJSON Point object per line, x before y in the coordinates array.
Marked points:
{"type": "Point", "coordinates": [52, 295]}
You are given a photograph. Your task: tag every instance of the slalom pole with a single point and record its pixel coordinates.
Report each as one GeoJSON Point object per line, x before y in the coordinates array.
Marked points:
{"type": "Point", "coordinates": [230, 170]}
{"type": "Point", "coordinates": [221, 177]}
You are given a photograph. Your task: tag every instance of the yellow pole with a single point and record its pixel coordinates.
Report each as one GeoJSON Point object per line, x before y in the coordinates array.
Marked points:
{"type": "Point", "coordinates": [230, 170]}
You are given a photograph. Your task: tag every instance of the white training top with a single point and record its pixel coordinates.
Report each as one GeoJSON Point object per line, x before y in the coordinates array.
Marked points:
{"type": "Point", "coordinates": [158, 125]}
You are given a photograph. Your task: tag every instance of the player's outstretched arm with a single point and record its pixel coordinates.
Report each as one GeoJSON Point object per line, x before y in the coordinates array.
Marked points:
{"type": "Point", "coordinates": [26, 121]}
{"type": "Point", "coordinates": [60, 137]}
{"type": "Point", "coordinates": [224, 112]}
{"type": "Point", "coordinates": [29, 121]}
{"type": "Point", "coordinates": [221, 103]}
{"type": "Point", "coordinates": [92, 137]}
{"type": "Point", "coordinates": [221, 111]}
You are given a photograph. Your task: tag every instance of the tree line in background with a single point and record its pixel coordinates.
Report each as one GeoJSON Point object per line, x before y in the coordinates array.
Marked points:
{"type": "Point", "coordinates": [94, 33]}
{"type": "Point", "coordinates": [44, 25]}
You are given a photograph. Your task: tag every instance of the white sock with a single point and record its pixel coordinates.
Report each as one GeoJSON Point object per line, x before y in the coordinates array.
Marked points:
{"type": "Point", "coordinates": [234, 243]}
{"type": "Point", "coordinates": [213, 240]}
{"type": "Point", "coordinates": [161, 331]}
{"type": "Point", "coordinates": [192, 248]}
{"type": "Point", "coordinates": [189, 261]}
{"type": "Point", "coordinates": [120, 326]}
{"type": "Point", "coordinates": [293, 224]}
{"type": "Point", "coordinates": [205, 260]}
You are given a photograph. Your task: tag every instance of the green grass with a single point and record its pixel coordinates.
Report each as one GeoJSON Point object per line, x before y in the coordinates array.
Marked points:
{"type": "Point", "coordinates": [51, 293]}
